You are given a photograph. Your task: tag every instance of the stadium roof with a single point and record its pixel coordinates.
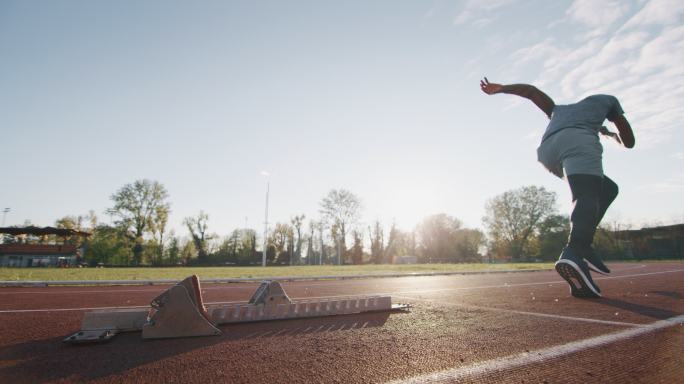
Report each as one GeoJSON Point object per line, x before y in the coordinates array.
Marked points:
{"type": "Point", "coordinates": [40, 231]}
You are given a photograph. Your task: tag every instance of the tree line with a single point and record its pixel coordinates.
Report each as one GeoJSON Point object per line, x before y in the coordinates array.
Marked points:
{"type": "Point", "coordinates": [520, 225]}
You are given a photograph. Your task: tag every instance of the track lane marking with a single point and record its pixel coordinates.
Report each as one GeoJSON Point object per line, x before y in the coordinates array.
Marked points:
{"type": "Point", "coordinates": [245, 287]}
{"type": "Point", "coordinates": [69, 309]}
{"type": "Point", "coordinates": [536, 314]}
{"type": "Point", "coordinates": [154, 288]}
{"type": "Point", "coordinates": [244, 284]}
{"type": "Point", "coordinates": [505, 285]}
{"type": "Point", "coordinates": [540, 355]}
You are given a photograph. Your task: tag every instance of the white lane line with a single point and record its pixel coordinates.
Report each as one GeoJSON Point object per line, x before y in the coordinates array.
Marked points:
{"type": "Point", "coordinates": [251, 287]}
{"type": "Point", "coordinates": [505, 285]}
{"type": "Point", "coordinates": [630, 267]}
{"type": "Point", "coordinates": [69, 309]}
{"type": "Point", "coordinates": [639, 274]}
{"type": "Point", "coordinates": [79, 292]}
{"type": "Point", "coordinates": [540, 355]}
{"type": "Point", "coordinates": [151, 289]}
{"type": "Point", "coordinates": [536, 314]}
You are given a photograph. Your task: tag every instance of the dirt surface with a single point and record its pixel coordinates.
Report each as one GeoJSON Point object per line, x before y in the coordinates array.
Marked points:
{"type": "Point", "coordinates": [456, 322]}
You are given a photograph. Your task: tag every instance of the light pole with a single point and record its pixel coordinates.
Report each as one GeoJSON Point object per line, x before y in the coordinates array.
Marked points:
{"type": "Point", "coordinates": [268, 187]}
{"type": "Point", "coordinates": [4, 215]}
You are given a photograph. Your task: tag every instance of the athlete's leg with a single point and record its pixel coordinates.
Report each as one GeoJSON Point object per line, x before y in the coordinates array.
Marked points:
{"type": "Point", "coordinates": [586, 196]}
{"type": "Point", "coordinates": [586, 191]}
{"type": "Point", "coordinates": [609, 191]}
{"type": "Point", "coordinates": [592, 196]}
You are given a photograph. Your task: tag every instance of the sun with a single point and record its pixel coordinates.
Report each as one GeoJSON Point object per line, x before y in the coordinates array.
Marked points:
{"type": "Point", "coordinates": [407, 204]}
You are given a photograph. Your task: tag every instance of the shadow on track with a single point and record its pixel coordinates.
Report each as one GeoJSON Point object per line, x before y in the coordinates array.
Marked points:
{"type": "Point", "coordinates": [644, 310]}
{"type": "Point", "coordinates": [51, 360]}
{"type": "Point", "coordinates": [670, 294]}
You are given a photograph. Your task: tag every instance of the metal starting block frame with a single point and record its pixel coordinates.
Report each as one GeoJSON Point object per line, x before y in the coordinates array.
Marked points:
{"type": "Point", "coordinates": [180, 312]}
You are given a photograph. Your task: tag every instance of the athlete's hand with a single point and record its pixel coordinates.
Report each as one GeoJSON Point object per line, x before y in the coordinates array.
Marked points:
{"type": "Point", "coordinates": [605, 132]}
{"type": "Point", "coordinates": [490, 88]}
{"type": "Point", "coordinates": [615, 136]}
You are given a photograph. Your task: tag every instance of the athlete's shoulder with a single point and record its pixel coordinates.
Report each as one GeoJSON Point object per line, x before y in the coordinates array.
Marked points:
{"type": "Point", "coordinates": [601, 96]}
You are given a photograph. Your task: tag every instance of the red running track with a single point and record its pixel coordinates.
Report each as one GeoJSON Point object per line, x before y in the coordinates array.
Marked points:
{"type": "Point", "coordinates": [503, 327]}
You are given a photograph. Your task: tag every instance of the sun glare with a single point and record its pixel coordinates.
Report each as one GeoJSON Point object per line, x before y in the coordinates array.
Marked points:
{"type": "Point", "coordinates": [408, 204]}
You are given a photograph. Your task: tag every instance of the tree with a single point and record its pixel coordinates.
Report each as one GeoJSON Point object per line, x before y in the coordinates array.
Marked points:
{"type": "Point", "coordinates": [108, 246]}
{"type": "Point", "coordinates": [282, 238]}
{"type": "Point", "coordinates": [392, 244]}
{"type": "Point", "coordinates": [248, 253]}
{"type": "Point", "coordinates": [553, 234]}
{"type": "Point", "coordinates": [320, 227]}
{"type": "Point", "coordinates": [197, 225]}
{"type": "Point", "coordinates": [357, 249]}
{"type": "Point", "coordinates": [400, 243]}
{"type": "Point", "coordinates": [607, 243]}
{"type": "Point", "coordinates": [437, 234]}
{"type": "Point", "coordinates": [513, 219]}
{"type": "Point", "coordinates": [174, 250]}
{"type": "Point", "coordinates": [136, 206]}
{"type": "Point", "coordinates": [310, 252]}
{"type": "Point", "coordinates": [229, 249]}
{"type": "Point", "coordinates": [341, 209]}
{"type": "Point", "coordinates": [338, 244]}
{"type": "Point", "coordinates": [85, 223]}
{"type": "Point", "coordinates": [467, 245]}
{"type": "Point", "coordinates": [187, 251]}
{"type": "Point", "coordinates": [158, 229]}
{"type": "Point", "coordinates": [69, 222]}
{"type": "Point", "coordinates": [377, 239]}
{"type": "Point", "coordinates": [297, 223]}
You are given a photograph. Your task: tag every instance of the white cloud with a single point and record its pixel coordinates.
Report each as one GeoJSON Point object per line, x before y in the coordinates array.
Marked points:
{"type": "Point", "coordinates": [478, 12]}
{"type": "Point", "coordinates": [540, 51]}
{"type": "Point", "coordinates": [639, 62]}
{"type": "Point", "coordinates": [658, 13]}
{"type": "Point", "coordinates": [662, 52]}
{"type": "Point", "coordinates": [483, 22]}
{"type": "Point", "coordinates": [430, 12]}
{"type": "Point", "coordinates": [597, 14]}
{"type": "Point", "coordinates": [598, 17]}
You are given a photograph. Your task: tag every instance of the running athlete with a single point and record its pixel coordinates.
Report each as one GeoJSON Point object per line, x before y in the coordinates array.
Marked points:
{"type": "Point", "coordinates": [570, 148]}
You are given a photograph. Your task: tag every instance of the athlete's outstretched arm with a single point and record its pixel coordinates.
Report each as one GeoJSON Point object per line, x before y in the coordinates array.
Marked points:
{"type": "Point", "coordinates": [539, 98]}
{"type": "Point", "coordinates": [626, 133]}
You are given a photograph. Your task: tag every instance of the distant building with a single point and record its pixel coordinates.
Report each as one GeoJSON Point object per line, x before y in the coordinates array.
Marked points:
{"type": "Point", "coordinates": [36, 253]}
{"type": "Point", "coordinates": [405, 259]}
{"type": "Point", "coordinates": [664, 242]}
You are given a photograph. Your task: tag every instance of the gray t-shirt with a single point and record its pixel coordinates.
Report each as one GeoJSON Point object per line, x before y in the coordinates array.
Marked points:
{"type": "Point", "coordinates": [588, 113]}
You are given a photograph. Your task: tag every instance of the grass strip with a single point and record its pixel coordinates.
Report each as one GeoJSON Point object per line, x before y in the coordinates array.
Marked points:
{"type": "Point", "coordinates": [178, 273]}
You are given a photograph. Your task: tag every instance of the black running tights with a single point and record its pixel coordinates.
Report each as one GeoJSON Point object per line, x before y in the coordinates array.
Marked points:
{"type": "Point", "coordinates": [591, 195]}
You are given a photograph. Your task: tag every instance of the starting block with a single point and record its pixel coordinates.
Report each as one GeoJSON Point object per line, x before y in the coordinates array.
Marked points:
{"type": "Point", "coordinates": [180, 312]}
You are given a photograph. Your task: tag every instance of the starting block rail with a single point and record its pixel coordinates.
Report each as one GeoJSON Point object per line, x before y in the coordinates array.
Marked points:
{"type": "Point", "coordinates": [238, 313]}
{"type": "Point", "coordinates": [180, 312]}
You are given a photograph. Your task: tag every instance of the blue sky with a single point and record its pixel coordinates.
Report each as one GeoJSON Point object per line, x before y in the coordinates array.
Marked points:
{"type": "Point", "coordinates": [377, 97]}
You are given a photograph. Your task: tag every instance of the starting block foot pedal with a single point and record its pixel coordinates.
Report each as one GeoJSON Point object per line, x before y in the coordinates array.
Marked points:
{"type": "Point", "coordinates": [179, 312]}
{"type": "Point", "coordinates": [88, 337]}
